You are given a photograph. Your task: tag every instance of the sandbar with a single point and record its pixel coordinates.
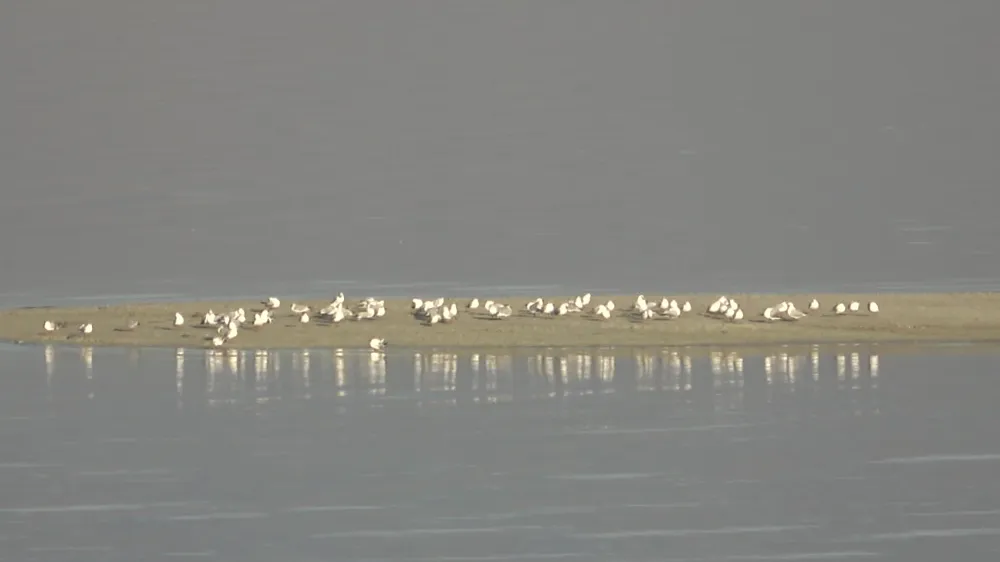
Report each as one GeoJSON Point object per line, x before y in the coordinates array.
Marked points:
{"type": "Point", "coordinates": [902, 318]}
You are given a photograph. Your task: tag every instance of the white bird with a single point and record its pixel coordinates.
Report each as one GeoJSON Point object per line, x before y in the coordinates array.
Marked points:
{"type": "Point", "coordinates": [261, 318]}
{"type": "Point", "coordinates": [439, 302]}
{"type": "Point", "coordinates": [672, 311]}
{"type": "Point", "coordinates": [814, 305]}
{"type": "Point", "coordinates": [686, 307]}
{"type": "Point", "coordinates": [209, 319]}
{"type": "Point", "coordinates": [611, 305]}
{"type": "Point", "coordinates": [549, 308]}
{"type": "Point", "coordinates": [454, 309]}
{"type": "Point", "coordinates": [738, 315]}
{"type": "Point", "coordinates": [49, 326]}
{"type": "Point", "coordinates": [873, 307]}
{"type": "Point", "coordinates": [446, 314]}
{"type": "Point", "coordinates": [840, 308]}
{"type": "Point", "coordinates": [769, 314]}
{"type": "Point", "coordinates": [337, 315]}
{"type": "Point", "coordinates": [855, 306]}
{"type": "Point", "coordinates": [473, 304]}
{"type": "Point", "coordinates": [272, 302]}
{"type": "Point", "coordinates": [793, 313]}
{"type": "Point", "coordinates": [299, 308]}
{"type": "Point", "coordinates": [586, 299]}
{"type": "Point", "coordinates": [602, 311]}
{"type": "Point", "coordinates": [178, 319]}
{"type": "Point", "coordinates": [304, 318]}
{"type": "Point", "coordinates": [87, 328]}
{"type": "Point", "coordinates": [715, 307]}
{"type": "Point", "coordinates": [132, 324]}
{"type": "Point", "coordinates": [377, 344]}
{"type": "Point", "coordinates": [218, 340]}
{"type": "Point", "coordinates": [417, 304]}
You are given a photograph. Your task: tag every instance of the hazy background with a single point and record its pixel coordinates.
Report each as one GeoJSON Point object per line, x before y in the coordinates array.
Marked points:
{"type": "Point", "coordinates": [195, 148]}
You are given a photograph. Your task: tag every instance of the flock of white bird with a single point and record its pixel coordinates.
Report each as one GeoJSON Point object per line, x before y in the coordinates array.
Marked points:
{"type": "Point", "coordinates": [437, 310]}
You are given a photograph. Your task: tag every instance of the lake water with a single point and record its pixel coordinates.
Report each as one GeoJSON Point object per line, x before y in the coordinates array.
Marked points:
{"type": "Point", "coordinates": [840, 453]}
{"type": "Point", "coordinates": [249, 147]}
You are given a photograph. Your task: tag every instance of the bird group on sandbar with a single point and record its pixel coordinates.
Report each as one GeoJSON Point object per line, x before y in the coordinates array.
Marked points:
{"type": "Point", "coordinates": [431, 311]}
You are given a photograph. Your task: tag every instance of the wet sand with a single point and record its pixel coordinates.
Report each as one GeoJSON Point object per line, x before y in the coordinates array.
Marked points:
{"type": "Point", "coordinates": [967, 317]}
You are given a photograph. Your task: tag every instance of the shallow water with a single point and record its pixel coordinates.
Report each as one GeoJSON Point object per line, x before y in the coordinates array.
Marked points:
{"type": "Point", "coordinates": [157, 454]}
{"type": "Point", "coordinates": [248, 147]}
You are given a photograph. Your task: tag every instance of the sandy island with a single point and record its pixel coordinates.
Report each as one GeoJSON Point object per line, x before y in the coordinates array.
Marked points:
{"type": "Point", "coordinates": [966, 317]}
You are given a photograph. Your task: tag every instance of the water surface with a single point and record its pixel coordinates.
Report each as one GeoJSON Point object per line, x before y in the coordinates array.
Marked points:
{"type": "Point", "coordinates": [248, 147]}
{"type": "Point", "coordinates": [848, 453]}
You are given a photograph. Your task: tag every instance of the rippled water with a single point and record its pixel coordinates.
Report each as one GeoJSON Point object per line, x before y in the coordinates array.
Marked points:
{"type": "Point", "coordinates": [839, 453]}
{"type": "Point", "coordinates": [246, 147]}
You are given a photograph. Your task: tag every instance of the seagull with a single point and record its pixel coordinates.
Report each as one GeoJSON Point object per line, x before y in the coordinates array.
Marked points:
{"type": "Point", "coordinates": [814, 305]}
{"type": "Point", "coordinates": [304, 318]}
{"type": "Point", "coordinates": [218, 340]}
{"type": "Point", "coordinates": [377, 344]}
{"type": "Point", "coordinates": [210, 318]}
{"type": "Point", "coordinates": [686, 307]}
{"type": "Point", "coordinates": [473, 304]}
{"type": "Point", "coordinates": [873, 307]}
{"type": "Point", "coordinates": [49, 326]}
{"type": "Point", "coordinates": [132, 324]}
{"type": "Point", "coordinates": [840, 308]}
{"type": "Point", "coordinates": [178, 319]}
{"type": "Point", "coordinates": [271, 302]}
{"type": "Point", "coordinates": [855, 306]}
{"type": "Point", "coordinates": [417, 304]}
{"type": "Point", "coordinates": [87, 328]}
{"type": "Point", "coordinates": [602, 311]}
{"type": "Point", "coordinates": [299, 308]}
{"type": "Point", "coordinates": [769, 314]}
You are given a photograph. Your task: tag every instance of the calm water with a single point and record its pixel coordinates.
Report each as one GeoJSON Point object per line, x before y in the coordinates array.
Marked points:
{"type": "Point", "coordinates": [304, 147]}
{"type": "Point", "coordinates": [157, 454]}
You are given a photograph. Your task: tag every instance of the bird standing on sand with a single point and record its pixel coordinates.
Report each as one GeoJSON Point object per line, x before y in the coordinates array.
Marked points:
{"type": "Point", "coordinates": [377, 344]}
{"type": "Point", "coordinates": [49, 326]}
{"type": "Point", "coordinates": [87, 328]}
{"type": "Point", "coordinates": [873, 307]}
{"type": "Point", "coordinates": [178, 319]}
